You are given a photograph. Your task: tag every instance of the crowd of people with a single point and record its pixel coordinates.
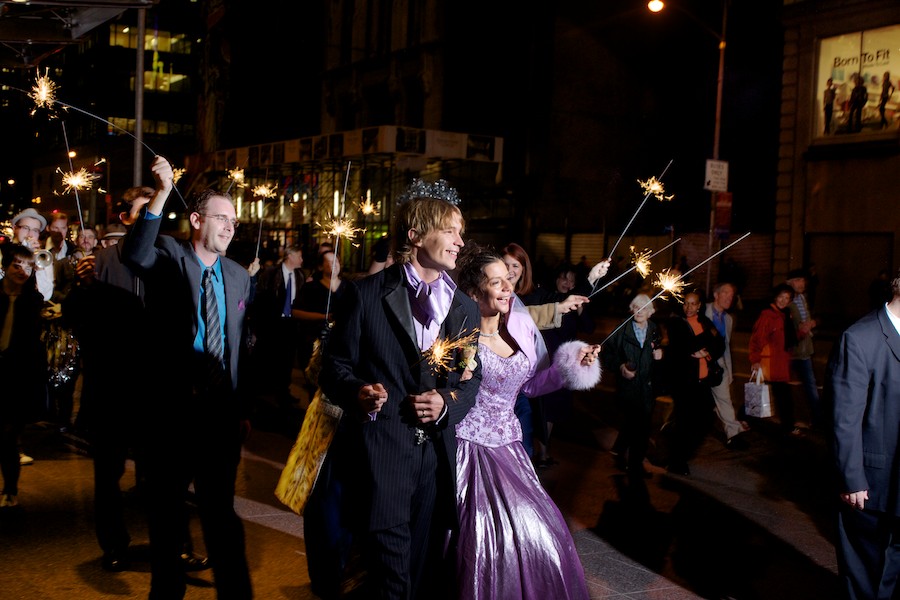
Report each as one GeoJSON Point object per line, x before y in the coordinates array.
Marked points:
{"type": "Point", "coordinates": [441, 459]}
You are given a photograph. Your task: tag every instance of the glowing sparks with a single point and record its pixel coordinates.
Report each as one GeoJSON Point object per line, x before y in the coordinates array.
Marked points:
{"type": "Point", "coordinates": [641, 261]}
{"type": "Point", "coordinates": [671, 284]}
{"type": "Point", "coordinates": [367, 208]}
{"type": "Point", "coordinates": [43, 92]}
{"type": "Point", "coordinates": [654, 187]}
{"type": "Point", "coordinates": [441, 354]}
{"type": "Point", "coordinates": [264, 190]}
{"type": "Point", "coordinates": [339, 228]}
{"type": "Point", "coordinates": [237, 176]}
{"type": "Point", "coordinates": [177, 174]}
{"type": "Point", "coordinates": [76, 180]}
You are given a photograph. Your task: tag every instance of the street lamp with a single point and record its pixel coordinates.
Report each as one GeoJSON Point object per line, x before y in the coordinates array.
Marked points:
{"type": "Point", "coordinates": [656, 6]}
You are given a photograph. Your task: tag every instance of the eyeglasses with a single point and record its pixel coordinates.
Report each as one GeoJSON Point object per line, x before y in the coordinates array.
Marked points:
{"type": "Point", "coordinates": [27, 228]}
{"type": "Point", "coordinates": [222, 219]}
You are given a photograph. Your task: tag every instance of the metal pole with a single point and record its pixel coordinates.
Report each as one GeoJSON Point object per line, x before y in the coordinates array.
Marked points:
{"type": "Point", "coordinates": [716, 134]}
{"type": "Point", "coordinates": [139, 98]}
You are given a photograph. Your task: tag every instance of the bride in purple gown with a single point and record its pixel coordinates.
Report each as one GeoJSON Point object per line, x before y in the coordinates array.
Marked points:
{"type": "Point", "coordinates": [513, 541]}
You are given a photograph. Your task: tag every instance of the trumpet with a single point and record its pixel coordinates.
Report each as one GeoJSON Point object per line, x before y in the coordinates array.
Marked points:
{"type": "Point", "coordinates": [43, 259]}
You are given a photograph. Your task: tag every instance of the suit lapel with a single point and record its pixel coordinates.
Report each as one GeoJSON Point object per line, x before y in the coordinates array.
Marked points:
{"type": "Point", "coordinates": [396, 302]}
{"type": "Point", "coordinates": [890, 333]}
{"type": "Point", "coordinates": [233, 313]}
{"type": "Point", "coordinates": [455, 324]}
{"type": "Point", "coordinates": [191, 266]}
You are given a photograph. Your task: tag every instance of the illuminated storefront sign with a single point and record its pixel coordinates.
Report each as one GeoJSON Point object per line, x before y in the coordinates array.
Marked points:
{"type": "Point", "coordinates": [857, 82]}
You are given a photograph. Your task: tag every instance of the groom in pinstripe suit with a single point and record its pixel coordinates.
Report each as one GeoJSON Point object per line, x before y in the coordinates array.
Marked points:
{"type": "Point", "coordinates": [399, 413]}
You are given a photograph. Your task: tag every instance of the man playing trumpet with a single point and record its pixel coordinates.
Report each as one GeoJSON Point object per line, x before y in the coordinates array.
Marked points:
{"type": "Point", "coordinates": [27, 228]}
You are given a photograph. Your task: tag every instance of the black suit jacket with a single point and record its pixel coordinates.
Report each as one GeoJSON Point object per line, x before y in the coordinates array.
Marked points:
{"type": "Point", "coordinates": [109, 267]}
{"type": "Point", "coordinates": [374, 342]}
{"type": "Point", "coordinates": [268, 302]}
{"type": "Point", "coordinates": [864, 376]}
{"type": "Point", "coordinates": [171, 272]}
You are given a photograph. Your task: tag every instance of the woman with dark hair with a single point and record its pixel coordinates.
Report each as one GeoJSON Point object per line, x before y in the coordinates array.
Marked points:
{"type": "Point", "coordinates": [771, 342]}
{"type": "Point", "coordinates": [513, 541]}
{"type": "Point", "coordinates": [695, 346]}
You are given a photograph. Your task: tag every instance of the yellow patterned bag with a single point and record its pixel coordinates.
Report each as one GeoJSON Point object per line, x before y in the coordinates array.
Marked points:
{"type": "Point", "coordinates": [306, 457]}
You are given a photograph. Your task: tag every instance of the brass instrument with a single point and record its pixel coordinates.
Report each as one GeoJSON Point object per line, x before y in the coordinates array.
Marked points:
{"type": "Point", "coordinates": [62, 353]}
{"type": "Point", "coordinates": [43, 259]}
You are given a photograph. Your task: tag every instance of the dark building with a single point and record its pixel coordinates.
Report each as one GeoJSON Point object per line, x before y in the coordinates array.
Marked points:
{"type": "Point", "coordinates": [836, 202]}
{"type": "Point", "coordinates": [93, 124]}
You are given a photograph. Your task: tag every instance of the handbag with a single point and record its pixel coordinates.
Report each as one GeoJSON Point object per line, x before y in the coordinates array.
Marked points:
{"type": "Point", "coordinates": [715, 373]}
{"type": "Point", "coordinates": [757, 397]}
{"type": "Point", "coordinates": [298, 478]}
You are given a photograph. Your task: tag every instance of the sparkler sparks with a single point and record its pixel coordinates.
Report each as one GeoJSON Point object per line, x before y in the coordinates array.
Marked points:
{"type": "Point", "coordinates": [654, 187]}
{"type": "Point", "coordinates": [339, 228]}
{"type": "Point", "coordinates": [264, 190]}
{"type": "Point", "coordinates": [367, 208]}
{"type": "Point", "coordinates": [641, 261]}
{"type": "Point", "coordinates": [76, 180]}
{"type": "Point", "coordinates": [440, 355]}
{"type": "Point", "coordinates": [177, 174]}
{"type": "Point", "coordinates": [237, 176]}
{"type": "Point", "coordinates": [43, 92]}
{"type": "Point", "coordinates": [671, 284]}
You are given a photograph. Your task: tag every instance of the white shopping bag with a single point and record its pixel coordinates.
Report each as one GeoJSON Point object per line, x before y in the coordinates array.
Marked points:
{"type": "Point", "coordinates": [757, 397]}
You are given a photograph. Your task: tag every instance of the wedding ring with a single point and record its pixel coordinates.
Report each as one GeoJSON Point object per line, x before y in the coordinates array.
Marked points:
{"type": "Point", "coordinates": [422, 414]}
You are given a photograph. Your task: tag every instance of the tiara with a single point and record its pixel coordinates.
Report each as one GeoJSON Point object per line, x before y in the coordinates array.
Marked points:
{"type": "Point", "coordinates": [439, 190]}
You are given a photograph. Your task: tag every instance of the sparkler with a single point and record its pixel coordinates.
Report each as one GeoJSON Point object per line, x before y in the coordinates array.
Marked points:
{"type": "Point", "coordinates": [75, 180]}
{"type": "Point", "coordinates": [650, 192]}
{"type": "Point", "coordinates": [339, 227]}
{"type": "Point", "coordinates": [177, 174]}
{"type": "Point", "coordinates": [441, 353]}
{"type": "Point", "coordinates": [633, 267]}
{"type": "Point", "coordinates": [654, 187]}
{"type": "Point", "coordinates": [641, 261]}
{"type": "Point", "coordinates": [346, 183]}
{"type": "Point", "coordinates": [264, 190]}
{"type": "Point", "coordinates": [673, 284]}
{"type": "Point", "coordinates": [670, 283]}
{"type": "Point", "coordinates": [236, 176]}
{"type": "Point", "coordinates": [367, 208]}
{"type": "Point", "coordinates": [43, 93]}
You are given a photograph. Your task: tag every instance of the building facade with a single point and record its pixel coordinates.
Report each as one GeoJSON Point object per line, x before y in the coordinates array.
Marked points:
{"type": "Point", "coordinates": [836, 202]}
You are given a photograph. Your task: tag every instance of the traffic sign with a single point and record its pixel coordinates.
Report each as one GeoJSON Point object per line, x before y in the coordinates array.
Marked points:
{"type": "Point", "coordinates": [716, 176]}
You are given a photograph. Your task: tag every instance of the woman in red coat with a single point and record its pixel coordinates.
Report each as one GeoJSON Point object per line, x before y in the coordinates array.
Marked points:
{"type": "Point", "coordinates": [771, 342]}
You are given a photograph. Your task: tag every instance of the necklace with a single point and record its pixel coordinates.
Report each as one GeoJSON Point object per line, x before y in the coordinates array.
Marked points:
{"type": "Point", "coordinates": [488, 335]}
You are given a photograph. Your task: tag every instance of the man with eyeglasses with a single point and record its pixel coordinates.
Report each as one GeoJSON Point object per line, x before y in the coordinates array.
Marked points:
{"type": "Point", "coordinates": [108, 292]}
{"type": "Point", "coordinates": [196, 300]}
{"type": "Point", "coordinates": [27, 228]}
